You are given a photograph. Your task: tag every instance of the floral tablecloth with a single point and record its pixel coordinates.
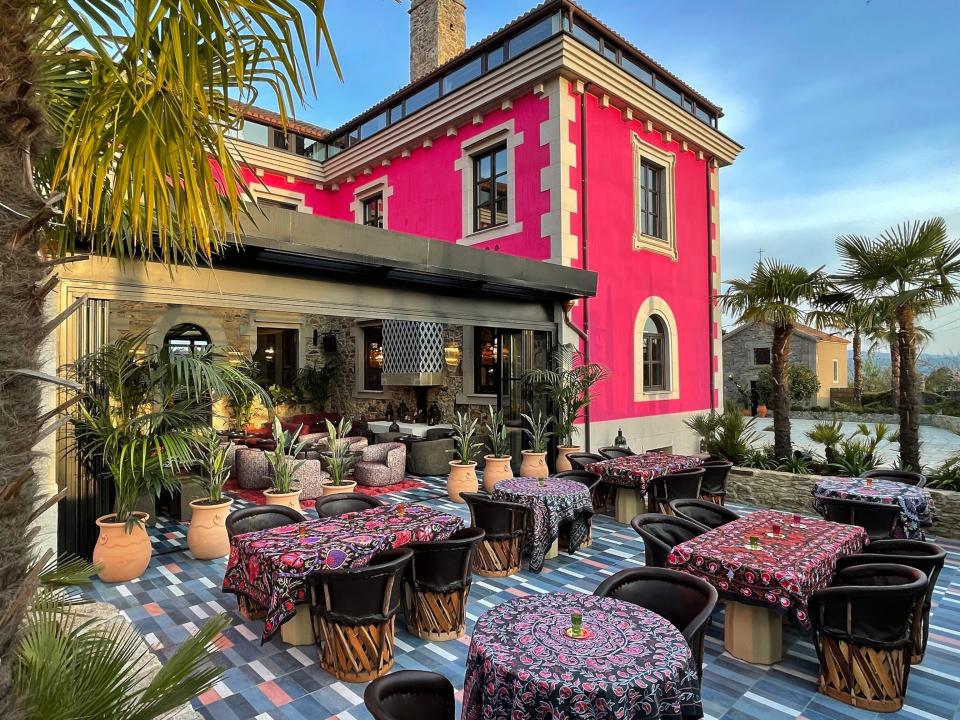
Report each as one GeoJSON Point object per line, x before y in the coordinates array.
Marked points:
{"type": "Point", "coordinates": [270, 566]}
{"type": "Point", "coordinates": [783, 572]}
{"type": "Point", "coordinates": [521, 664]}
{"type": "Point", "coordinates": [552, 502]}
{"type": "Point", "coordinates": [916, 506]}
{"type": "Point", "coordinates": [636, 471]}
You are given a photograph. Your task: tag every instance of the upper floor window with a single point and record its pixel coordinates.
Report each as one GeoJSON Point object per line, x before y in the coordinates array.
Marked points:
{"type": "Point", "coordinates": [373, 210]}
{"type": "Point", "coordinates": [490, 188]}
{"type": "Point", "coordinates": [651, 199]}
{"type": "Point", "coordinates": [186, 337]}
{"type": "Point", "coordinates": [654, 222]}
{"type": "Point", "coordinates": [485, 352]}
{"type": "Point", "coordinates": [373, 357]}
{"type": "Point", "coordinates": [761, 356]}
{"type": "Point", "coordinates": [654, 354]}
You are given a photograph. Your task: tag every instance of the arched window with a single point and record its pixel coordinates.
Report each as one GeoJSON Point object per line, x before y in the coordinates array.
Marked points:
{"type": "Point", "coordinates": [654, 354]}
{"type": "Point", "coordinates": [186, 337]}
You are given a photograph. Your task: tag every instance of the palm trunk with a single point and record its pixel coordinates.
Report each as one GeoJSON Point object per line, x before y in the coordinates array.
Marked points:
{"type": "Point", "coordinates": [780, 397]}
{"type": "Point", "coordinates": [22, 214]}
{"type": "Point", "coordinates": [909, 418]}
{"type": "Point", "coordinates": [895, 374]}
{"type": "Point", "coordinates": [857, 368]}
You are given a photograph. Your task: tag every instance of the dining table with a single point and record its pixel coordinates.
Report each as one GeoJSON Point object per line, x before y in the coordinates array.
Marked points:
{"type": "Point", "coordinates": [632, 475]}
{"type": "Point", "coordinates": [916, 505]}
{"type": "Point", "coordinates": [525, 661]}
{"type": "Point", "coordinates": [766, 565]}
{"type": "Point", "coordinates": [270, 567]}
{"type": "Point", "coordinates": [552, 502]}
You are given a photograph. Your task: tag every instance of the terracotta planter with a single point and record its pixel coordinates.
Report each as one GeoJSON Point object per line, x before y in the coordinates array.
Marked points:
{"type": "Point", "coordinates": [123, 556]}
{"type": "Point", "coordinates": [290, 499]}
{"type": "Point", "coordinates": [331, 489]}
{"type": "Point", "coordinates": [207, 535]}
{"type": "Point", "coordinates": [462, 478]}
{"type": "Point", "coordinates": [762, 410]}
{"type": "Point", "coordinates": [562, 463]}
{"type": "Point", "coordinates": [534, 464]}
{"type": "Point", "coordinates": [496, 469]}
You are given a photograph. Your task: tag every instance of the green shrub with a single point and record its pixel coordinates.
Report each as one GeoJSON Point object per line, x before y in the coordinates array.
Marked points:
{"type": "Point", "coordinates": [729, 434]}
{"type": "Point", "coordinates": [804, 384]}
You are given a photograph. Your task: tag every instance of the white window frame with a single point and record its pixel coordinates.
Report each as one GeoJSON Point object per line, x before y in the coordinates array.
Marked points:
{"type": "Point", "coordinates": [655, 305]}
{"type": "Point", "coordinates": [667, 245]}
{"type": "Point", "coordinates": [380, 186]}
{"type": "Point", "coordinates": [268, 192]}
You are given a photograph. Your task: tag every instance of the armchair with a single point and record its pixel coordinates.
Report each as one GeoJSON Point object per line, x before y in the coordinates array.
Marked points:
{"type": "Point", "coordinates": [381, 464]}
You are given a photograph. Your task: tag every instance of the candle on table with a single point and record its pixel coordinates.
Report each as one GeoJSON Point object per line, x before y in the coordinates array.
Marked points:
{"type": "Point", "coordinates": [576, 624]}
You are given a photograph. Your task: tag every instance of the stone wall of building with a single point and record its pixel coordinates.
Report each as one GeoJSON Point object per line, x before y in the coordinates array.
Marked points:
{"type": "Point", "coordinates": [438, 33]}
{"type": "Point", "coordinates": [738, 366]}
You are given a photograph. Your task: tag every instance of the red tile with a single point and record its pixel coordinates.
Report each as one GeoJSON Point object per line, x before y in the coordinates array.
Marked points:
{"type": "Point", "coordinates": [173, 567]}
{"type": "Point", "coordinates": [274, 693]}
{"type": "Point", "coordinates": [517, 592]}
{"type": "Point", "coordinates": [153, 609]}
{"type": "Point", "coordinates": [594, 563]}
{"type": "Point", "coordinates": [210, 696]}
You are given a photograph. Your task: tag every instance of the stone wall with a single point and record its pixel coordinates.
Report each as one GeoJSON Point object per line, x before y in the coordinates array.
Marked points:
{"type": "Point", "coordinates": [947, 422]}
{"type": "Point", "coordinates": [738, 364]}
{"type": "Point", "coordinates": [786, 491]}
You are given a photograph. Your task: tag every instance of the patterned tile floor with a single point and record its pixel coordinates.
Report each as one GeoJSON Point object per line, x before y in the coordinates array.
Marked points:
{"type": "Point", "coordinates": [280, 682]}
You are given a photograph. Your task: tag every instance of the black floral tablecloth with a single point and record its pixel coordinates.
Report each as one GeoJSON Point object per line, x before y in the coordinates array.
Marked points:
{"type": "Point", "coordinates": [916, 506]}
{"type": "Point", "coordinates": [636, 471]}
{"type": "Point", "coordinates": [271, 566]}
{"type": "Point", "coordinates": [552, 502]}
{"type": "Point", "coordinates": [521, 664]}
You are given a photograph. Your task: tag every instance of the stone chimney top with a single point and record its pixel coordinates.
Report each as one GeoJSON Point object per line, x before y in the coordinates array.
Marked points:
{"type": "Point", "coordinates": [438, 32]}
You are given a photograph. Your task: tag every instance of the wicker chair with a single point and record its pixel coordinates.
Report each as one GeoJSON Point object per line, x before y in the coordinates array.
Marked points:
{"type": "Point", "coordinates": [353, 614]}
{"type": "Point", "coordinates": [901, 476]}
{"type": "Point", "coordinates": [341, 503]}
{"type": "Point", "coordinates": [252, 469]}
{"type": "Point", "coordinates": [925, 557]}
{"type": "Point", "coordinates": [713, 486]}
{"type": "Point", "coordinates": [410, 695]}
{"type": "Point", "coordinates": [436, 585]}
{"type": "Point", "coordinates": [704, 512]}
{"type": "Point", "coordinates": [505, 525]}
{"type": "Point", "coordinates": [685, 600]}
{"type": "Point", "coordinates": [862, 628]}
{"type": "Point", "coordinates": [613, 451]}
{"type": "Point", "coordinates": [682, 485]}
{"type": "Point", "coordinates": [878, 519]}
{"type": "Point", "coordinates": [661, 533]}
{"type": "Point", "coordinates": [381, 464]}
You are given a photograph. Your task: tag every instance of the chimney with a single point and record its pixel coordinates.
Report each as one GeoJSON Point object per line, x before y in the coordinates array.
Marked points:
{"type": "Point", "coordinates": [438, 32]}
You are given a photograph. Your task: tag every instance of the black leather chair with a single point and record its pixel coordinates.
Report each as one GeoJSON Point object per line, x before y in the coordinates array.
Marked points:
{"type": "Point", "coordinates": [341, 503]}
{"type": "Point", "coordinates": [410, 695]}
{"type": "Point", "coordinates": [436, 585]}
{"type": "Point", "coordinates": [713, 486]}
{"type": "Point", "coordinates": [926, 557]}
{"type": "Point", "coordinates": [615, 451]}
{"type": "Point", "coordinates": [505, 525]}
{"type": "Point", "coordinates": [580, 460]}
{"type": "Point", "coordinates": [590, 479]}
{"type": "Point", "coordinates": [901, 476]}
{"type": "Point", "coordinates": [661, 533]}
{"type": "Point", "coordinates": [878, 519]}
{"type": "Point", "coordinates": [685, 600]}
{"type": "Point", "coordinates": [704, 512]}
{"type": "Point", "coordinates": [862, 627]}
{"type": "Point", "coordinates": [353, 612]}
{"type": "Point", "coordinates": [261, 517]}
{"type": "Point", "coordinates": [681, 485]}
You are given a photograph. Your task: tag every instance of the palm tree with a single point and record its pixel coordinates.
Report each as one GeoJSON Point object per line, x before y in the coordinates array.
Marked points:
{"type": "Point", "coordinates": [912, 268]}
{"type": "Point", "coordinates": [860, 318]}
{"type": "Point", "coordinates": [779, 295]}
{"type": "Point", "coordinates": [115, 120]}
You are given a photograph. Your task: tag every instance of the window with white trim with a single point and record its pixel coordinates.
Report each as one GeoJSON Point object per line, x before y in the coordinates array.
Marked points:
{"type": "Point", "coordinates": [654, 216]}
{"type": "Point", "coordinates": [656, 356]}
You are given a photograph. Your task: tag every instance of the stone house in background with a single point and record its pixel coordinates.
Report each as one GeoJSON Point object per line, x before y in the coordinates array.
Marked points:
{"type": "Point", "coordinates": [746, 351]}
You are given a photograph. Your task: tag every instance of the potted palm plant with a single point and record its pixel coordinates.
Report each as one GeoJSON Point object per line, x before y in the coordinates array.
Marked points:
{"type": "Point", "coordinates": [497, 464]}
{"type": "Point", "coordinates": [339, 459]}
{"type": "Point", "coordinates": [283, 467]}
{"type": "Point", "coordinates": [535, 459]}
{"type": "Point", "coordinates": [463, 470]}
{"type": "Point", "coordinates": [207, 535]}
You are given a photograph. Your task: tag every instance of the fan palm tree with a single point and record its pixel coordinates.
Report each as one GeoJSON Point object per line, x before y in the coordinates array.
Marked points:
{"type": "Point", "coordinates": [115, 126]}
{"type": "Point", "coordinates": [779, 295]}
{"type": "Point", "coordinates": [861, 319]}
{"type": "Point", "coordinates": [884, 335]}
{"type": "Point", "coordinates": [913, 268]}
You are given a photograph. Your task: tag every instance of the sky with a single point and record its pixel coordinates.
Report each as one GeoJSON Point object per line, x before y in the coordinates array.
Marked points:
{"type": "Point", "coordinates": [848, 110]}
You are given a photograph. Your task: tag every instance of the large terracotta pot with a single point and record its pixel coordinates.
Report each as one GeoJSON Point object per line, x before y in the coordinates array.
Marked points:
{"type": "Point", "coordinates": [123, 556]}
{"type": "Point", "coordinates": [495, 470]}
{"type": "Point", "coordinates": [762, 410]}
{"type": "Point", "coordinates": [331, 489]}
{"type": "Point", "coordinates": [290, 499]}
{"type": "Point", "coordinates": [562, 463]}
{"type": "Point", "coordinates": [462, 478]}
{"type": "Point", "coordinates": [534, 464]}
{"type": "Point", "coordinates": [207, 536]}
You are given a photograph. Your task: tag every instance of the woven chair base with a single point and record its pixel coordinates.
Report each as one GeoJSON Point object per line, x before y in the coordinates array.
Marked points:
{"type": "Point", "coordinates": [498, 558]}
{"type": "Point", "coordinates": [435, 615]}
{"type": "Point", "coordinates": [355, 653]}
{"type": "Point", "coordinates": [868, 678]}
{"type": "Point", "coordinates": [250, 610]}
{"type": "Point", "coordinates": [715, 499]}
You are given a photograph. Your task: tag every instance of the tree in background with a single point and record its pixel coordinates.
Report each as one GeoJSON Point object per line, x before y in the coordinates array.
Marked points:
{"type": "Point", "coordinates": [942, 379]}
{"type": "Point", "coordinates": [912, 269]}
{"type": "Point", "coordinates": [803, 383]}
{"type": "Point", "coordinates": [860, 318]}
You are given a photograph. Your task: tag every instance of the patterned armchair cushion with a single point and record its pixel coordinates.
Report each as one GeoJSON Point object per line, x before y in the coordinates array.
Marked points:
{"type": "Point", "coordinates": [381, 464]}
{"type": "Point", "coordinates": [252, 469]}
{"type": "Point", "coordinates": [319, 438]}
{"type": "Point", "coordinates": [309, 475]}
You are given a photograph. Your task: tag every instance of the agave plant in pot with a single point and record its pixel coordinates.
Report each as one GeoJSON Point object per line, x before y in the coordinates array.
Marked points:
{"type": "Point", "coordinates": [463, 470]}
{"type": "Point", "coordinates": [283, 467]}
{"type": "Point", "coordinates": [535, 459]}
{"type": "Point", "coordinates": [496, 466]}
{"type": "Point", "coordinates": [207, 535]}
{"type": "Point", "coordinates": [339, 459]}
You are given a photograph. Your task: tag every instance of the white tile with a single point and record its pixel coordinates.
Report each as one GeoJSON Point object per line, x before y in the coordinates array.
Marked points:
{"type": "Point", "coordinates": [300, 656]}
{"type": "Point", "coordinates": [261, 670]}
{"type": "Point", "coordinates": [437, 650]}
{"type": "Point", "coordinates": [247, 633]}
{"type": "Point", "coordinates": [771, 704]}
{"type": "Point", "coordinates": [346, 693]}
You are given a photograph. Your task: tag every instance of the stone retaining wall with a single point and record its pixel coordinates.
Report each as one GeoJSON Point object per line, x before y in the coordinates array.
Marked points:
{"type": "Point", "coordinates": [786, 491]}
{"type": "Point", "coordinates": [947, 422]}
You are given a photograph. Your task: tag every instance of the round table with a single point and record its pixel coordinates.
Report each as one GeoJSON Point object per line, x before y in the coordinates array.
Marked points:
{"type": "Point", "coordinates": [552, 502]}
{"type": "Point", "coordinates": [916, 506]}
{"type": "Point", "coordinates": [522, 664]}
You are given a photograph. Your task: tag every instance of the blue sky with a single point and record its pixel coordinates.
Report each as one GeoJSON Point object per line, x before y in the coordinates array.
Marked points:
{"type": "Point", "coordinates": [849, 110]}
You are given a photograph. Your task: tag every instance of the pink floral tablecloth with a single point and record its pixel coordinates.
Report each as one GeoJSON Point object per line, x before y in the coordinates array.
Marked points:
{"type": "Point", "coordinates": [785, 569]}
{"type": "Point", "coordinates": [637, 471]}
{"type": "Point", "coordinates": [271, 566]}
